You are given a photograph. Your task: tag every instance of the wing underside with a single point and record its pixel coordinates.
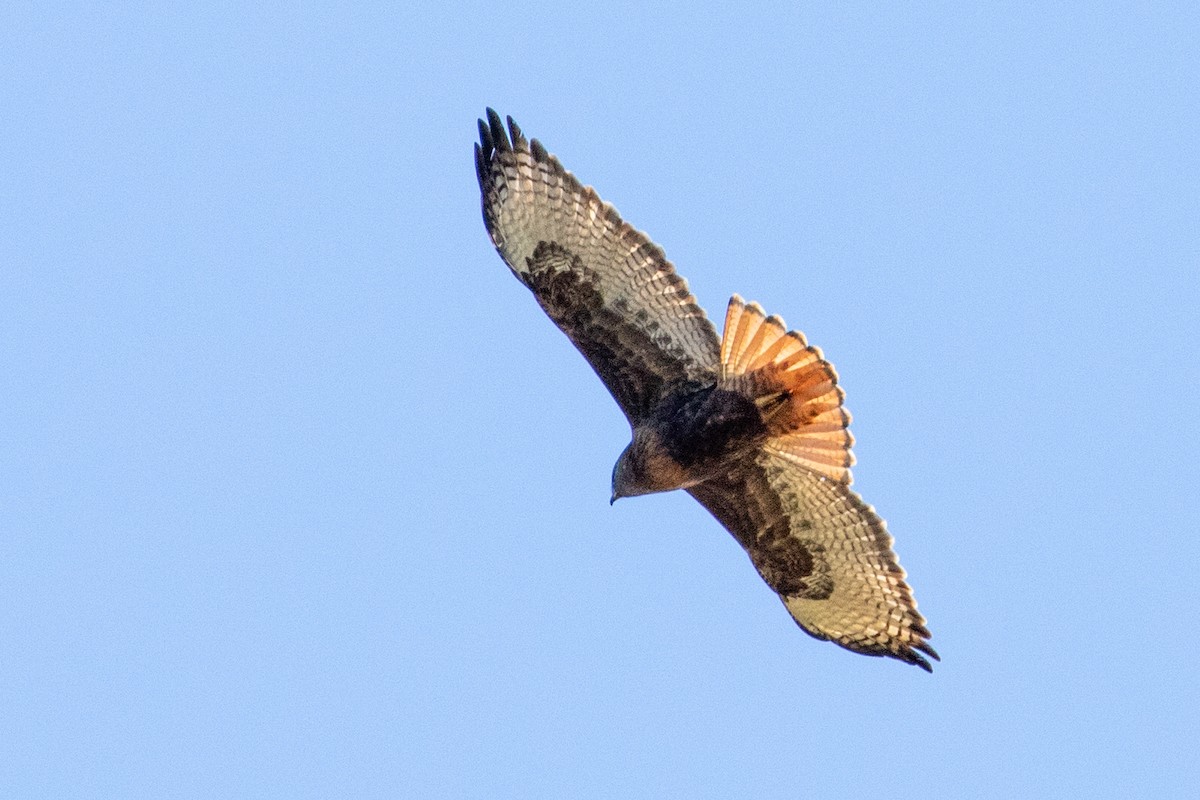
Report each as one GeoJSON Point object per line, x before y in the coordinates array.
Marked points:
{"type": "Point", "coordinates": [605, 284]}
{"type": "Point", "coordinates": [825, 552]}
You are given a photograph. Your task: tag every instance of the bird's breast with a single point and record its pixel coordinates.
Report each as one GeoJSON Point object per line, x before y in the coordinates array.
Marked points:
{"type": "Point", "coordinates": [701, 429]}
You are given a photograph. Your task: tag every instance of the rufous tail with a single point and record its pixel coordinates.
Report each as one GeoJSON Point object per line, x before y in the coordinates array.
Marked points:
{"type": "Point", "coordinates": [793, 386]}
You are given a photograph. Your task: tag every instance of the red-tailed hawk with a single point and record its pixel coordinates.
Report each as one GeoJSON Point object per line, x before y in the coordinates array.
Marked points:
{"type": "Point", "coordinates": [751, 425]}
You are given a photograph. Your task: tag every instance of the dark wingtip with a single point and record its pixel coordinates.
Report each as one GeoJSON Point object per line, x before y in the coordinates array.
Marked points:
{"type": "Point", "coordinates": [921, 662]}
{"type": "Point", "coordinates": [518, 138]}
{"type": "Point", "coordinates": [499, 137]}
{"type": "Point", "coordinates": [485, 137]}
{"type": "Point", "coordinates": [538, 151]}
{"type": "Point", "coordinates": [480, 165]}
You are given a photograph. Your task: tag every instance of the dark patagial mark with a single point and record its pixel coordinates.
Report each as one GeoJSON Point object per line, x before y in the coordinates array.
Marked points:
{"type": "Point", "coordinates": [792, 566]}
{"type": "Point", "coordinates": [631, 362]}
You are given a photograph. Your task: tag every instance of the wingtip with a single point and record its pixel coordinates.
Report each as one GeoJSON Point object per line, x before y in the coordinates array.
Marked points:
{"type": "Point", "coordinates": [913, 657]}
{"type": "Point", "coordinates": [485, 136]}
{"type": "Point", "coordinates": [480, 164]}
{"type": "Point", "coordinates": [499, 137]}
{"type": "Point", "coordinates": [518, 138]}
{"type": "Point", "coordinates": [493, 139]}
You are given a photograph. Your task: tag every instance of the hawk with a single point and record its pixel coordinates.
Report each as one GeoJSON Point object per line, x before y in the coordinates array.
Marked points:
{"type": "Point", "coordinates": [751, 425]}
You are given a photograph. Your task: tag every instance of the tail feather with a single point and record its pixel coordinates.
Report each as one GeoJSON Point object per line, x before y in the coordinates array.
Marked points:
{"type": "Point", "coordinates": [794, 387]}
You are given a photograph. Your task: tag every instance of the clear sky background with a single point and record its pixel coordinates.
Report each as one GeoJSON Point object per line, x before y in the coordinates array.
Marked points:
{"type": "Point", "coordinates": [301, 495]}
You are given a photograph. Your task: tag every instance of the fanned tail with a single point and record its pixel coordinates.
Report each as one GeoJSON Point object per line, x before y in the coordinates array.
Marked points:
{"type": "Point", "coordinates": [794, 387]}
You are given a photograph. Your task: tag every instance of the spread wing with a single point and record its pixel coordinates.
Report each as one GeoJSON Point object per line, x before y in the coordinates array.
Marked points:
{"type": "Point", "coordinates": [824, 551]}
{"type": "Point", "coordinates": [605, 284]}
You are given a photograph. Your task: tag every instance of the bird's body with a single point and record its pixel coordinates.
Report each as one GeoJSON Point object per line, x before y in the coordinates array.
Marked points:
{"type": "Point", "coordinates": [688, 438]}
{"type": "Point", "coordinates": [751, 425]}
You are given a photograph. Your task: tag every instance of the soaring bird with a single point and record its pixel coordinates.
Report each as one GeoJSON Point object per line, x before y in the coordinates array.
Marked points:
{"type": "Point", "coordinates": [751, 425]}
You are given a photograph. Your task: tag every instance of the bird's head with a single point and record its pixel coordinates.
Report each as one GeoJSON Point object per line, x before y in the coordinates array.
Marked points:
{"type": "Point", "coordinates": [645, 468]}
{"type": "Point", "coordinates": [626, 474]}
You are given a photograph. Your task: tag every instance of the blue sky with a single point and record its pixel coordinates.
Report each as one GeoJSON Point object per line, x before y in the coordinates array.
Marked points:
{"type": "Point", "coordinates": [301, 495]}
